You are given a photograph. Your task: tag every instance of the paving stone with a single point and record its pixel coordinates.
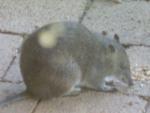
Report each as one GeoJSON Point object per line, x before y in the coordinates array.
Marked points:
{"type": "Point", "coordinates": [8, 89]}
{"type": "Point", "coordinates": [140, 88]}
{"type": "Point", "coordinates": [25, 15]}
{"type": "Point", "coordinates": [138, 38]}
{"type": "Point", "coordinates": [93, 102]}
{"type": "Point", "coordinates": [8, 47]}
{"type": "Point", "coordinates": [139, 56]}
{"type": "Point", "coordinates": [20, 106]}
{"type": "Point", "coordinates": [148, 107]}
{"type": "Point", "coordinates": [129, 19]}
{"type": "Point", "coordinates": [14, 74]}
{"type": "Point", "coordinates": [24, 106]}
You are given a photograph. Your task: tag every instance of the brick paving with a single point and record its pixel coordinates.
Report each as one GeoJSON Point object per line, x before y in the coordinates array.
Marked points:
{"type": "Point", "coordinates": [130, 19]}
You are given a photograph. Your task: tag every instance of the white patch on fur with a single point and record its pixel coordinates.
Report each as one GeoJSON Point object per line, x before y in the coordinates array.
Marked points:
{"type": "Point", "coordinates": [49, 38]}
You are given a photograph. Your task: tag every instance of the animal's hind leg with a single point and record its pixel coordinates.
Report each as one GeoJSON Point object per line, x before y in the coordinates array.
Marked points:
{"type": "Point", "coordinates": [72, 76]}
{"type": "Point", "coordinates": [73, 92]}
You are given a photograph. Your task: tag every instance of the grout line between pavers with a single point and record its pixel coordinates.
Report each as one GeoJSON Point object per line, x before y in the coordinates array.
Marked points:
{"type": "Point", "coordinates": [9, 66]}
{"type": "Point", "coordinates": [128, 45]}
{"type": "Point", "coordinates": [12, 33]}
{"type": "Point", "coordinates": [11, 82]}
{"type": "Point", "coordinates": [37, 104]}
{"type": "Point", "coordinates": [147, 107]}
{"type": "Point", "coordinates": [86, 9]}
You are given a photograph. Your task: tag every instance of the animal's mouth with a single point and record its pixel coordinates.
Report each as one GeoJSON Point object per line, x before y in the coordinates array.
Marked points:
{"type": "Point", "coordinates": [108, 86]}
{"type": "Point", "coordinates": [109, 83]}
{"type": "Point", "coordinates": [121, 86]}
{"type": "Point", "coordinates": [114, 84]}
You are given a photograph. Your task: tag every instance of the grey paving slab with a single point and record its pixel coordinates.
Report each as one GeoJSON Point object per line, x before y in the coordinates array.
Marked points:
{"type": "Point", "coordinates": [128, 19]}
{"type": "Point", "coordinates": [140, 88]}
{"type": "Point", "coordinates": [24, 106]}
{"type": "Point", "coordinates": [9, 89]}
{"type": "Point", "coordinates": [138, 38]}
{"type": "Point", "coordinates": [25, 15]}
{"type": "Point", "coordinates": [139, 56]}
{"type": "Point", "coordinates": [148, 108]}
{"type": "Point", "coordinates": [20, 106]}
{"type": "Point", "coordinates": [8, 48]}
{"type": "Point", "coordinates": [14, 74]}
{"type": "Point", "coordinates": [93, 102]}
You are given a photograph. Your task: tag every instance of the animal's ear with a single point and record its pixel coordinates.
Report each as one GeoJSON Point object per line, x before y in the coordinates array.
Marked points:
{"type": "Point", "coordinates": [116, 37]}
{"type": "Point", "coordinates": [111, 47]}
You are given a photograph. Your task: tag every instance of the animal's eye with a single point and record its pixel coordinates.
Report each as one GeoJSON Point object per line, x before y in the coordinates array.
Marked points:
{"type": "Point", "coordinates": [116, 37]}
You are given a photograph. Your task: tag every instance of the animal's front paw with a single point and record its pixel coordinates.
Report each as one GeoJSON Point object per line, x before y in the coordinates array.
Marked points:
{"type": "Point", "coordinates": [73, 92]}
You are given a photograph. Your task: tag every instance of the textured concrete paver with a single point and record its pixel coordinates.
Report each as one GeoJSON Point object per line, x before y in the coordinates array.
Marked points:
{"type": "Point", "coordinates": [126, 19]}
{"type": "Point", "coordinates": [148, 108]}
{"type": "Point", "coordinates": [138, 38]}
{"type": "Point", "coordinates": [9, 89]}
{"type": "Point", "coordinates": [140, 88]}
{"type": "Point", "coordinates": [25, 106]}
{"type": "Point", "coordinates": [92, 102]}
{"type": "Point", "coordinates": [8, 47]}
{"type": "Point", "coordinates": [139, 56]}
{"type": "Point", "coordinates": [14, 74]}
{"type": "Point", "coordinates": [25, 15]}
{"type": "Point", "coordinates": [20, 106]}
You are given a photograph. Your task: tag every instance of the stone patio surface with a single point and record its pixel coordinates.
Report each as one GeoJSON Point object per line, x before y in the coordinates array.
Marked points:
{"type": "Point", "coordinates": [129, 19]}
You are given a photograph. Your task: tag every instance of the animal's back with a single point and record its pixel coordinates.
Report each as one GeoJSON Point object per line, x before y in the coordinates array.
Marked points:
{"type": "Point", "coordinates": [54, 57]}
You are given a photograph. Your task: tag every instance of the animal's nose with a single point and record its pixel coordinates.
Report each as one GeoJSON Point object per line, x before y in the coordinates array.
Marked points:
{"type": "Point", "coordinates": [109, 83]}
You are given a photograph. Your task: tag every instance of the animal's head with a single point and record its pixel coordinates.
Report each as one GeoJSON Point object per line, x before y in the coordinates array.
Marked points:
{"type": "Point", "coordinates": [120, 76]}
{"type": "Point", "coordinates": [120, 82]}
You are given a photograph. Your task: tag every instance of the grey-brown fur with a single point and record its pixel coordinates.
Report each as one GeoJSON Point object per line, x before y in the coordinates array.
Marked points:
{"type": "Point", "coordinates": [79, 59]}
